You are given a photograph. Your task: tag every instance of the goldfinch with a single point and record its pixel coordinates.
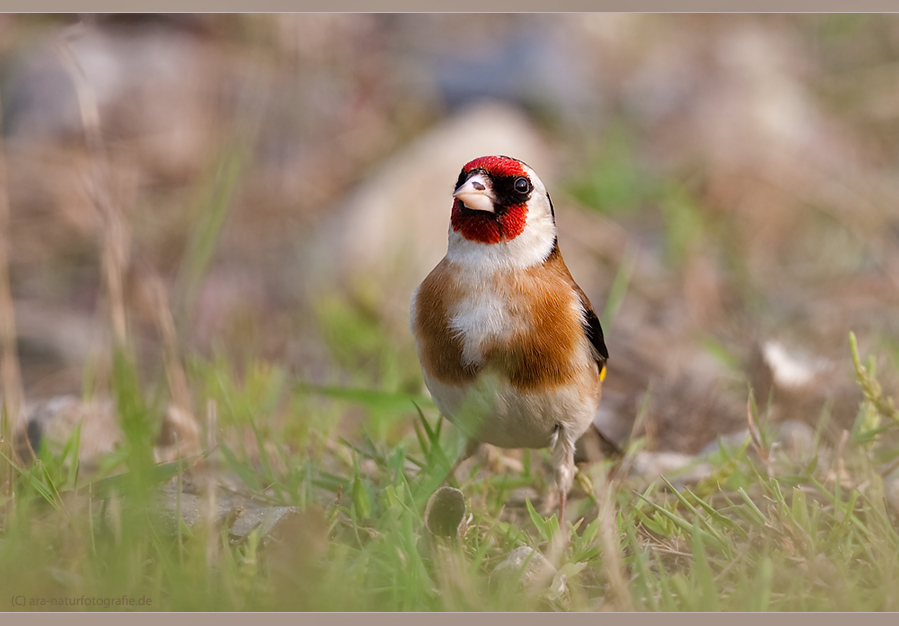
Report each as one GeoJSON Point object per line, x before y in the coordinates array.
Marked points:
{"type": "Point", "coordinates": [510, 347]}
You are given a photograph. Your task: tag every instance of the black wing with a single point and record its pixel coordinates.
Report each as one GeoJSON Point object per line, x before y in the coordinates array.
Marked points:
{"type": "Point", "coordinates": [594, 332]}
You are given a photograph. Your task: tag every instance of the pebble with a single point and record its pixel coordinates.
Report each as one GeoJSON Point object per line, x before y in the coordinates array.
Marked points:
{"type": "Point", "coordinates": [536, 571]}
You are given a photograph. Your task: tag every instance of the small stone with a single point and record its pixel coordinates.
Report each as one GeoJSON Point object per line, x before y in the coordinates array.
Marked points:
{"type": "Point", "coordinates": [793, 445]}
{"type": "Point", "coordinates": [797, 439]}
{"type": "Point", "coordinates": [520, 495]}
{"type": "Point", "coordinates": [51, 423]}
{"type": "Point", "coordinates": [536, 572]}
{"type": "Point", "coordinates": [730, 442]}
{"type": "Point", "coordinates": [445, 512]}
{"type": "Point", "coordinates": [676, 467]}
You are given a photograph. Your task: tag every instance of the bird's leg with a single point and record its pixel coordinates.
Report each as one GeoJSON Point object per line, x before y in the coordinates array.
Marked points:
{"type": "Point", "coordinates": [563, 500]}
{"type": "Point", "coordinates": [563, 464]}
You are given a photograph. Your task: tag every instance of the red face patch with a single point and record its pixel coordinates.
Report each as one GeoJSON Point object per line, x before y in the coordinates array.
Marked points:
{"type": "Point", "coordinates": [487, 227]}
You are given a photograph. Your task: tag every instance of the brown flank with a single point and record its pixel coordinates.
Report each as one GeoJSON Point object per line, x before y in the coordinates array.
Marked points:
{"type": "Point", "coordinates": [544, 358]}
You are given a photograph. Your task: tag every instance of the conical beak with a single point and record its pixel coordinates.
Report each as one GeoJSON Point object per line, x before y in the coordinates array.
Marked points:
{"type": "Point", "coordinates": [476, 194]}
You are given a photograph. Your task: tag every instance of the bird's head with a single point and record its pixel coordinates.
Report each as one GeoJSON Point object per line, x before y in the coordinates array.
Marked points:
{"type": "Point", "coordinates": [501, 212]}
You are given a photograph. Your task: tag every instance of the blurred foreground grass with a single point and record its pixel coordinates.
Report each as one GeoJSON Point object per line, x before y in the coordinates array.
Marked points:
{"type": "Point", "coordinates": [745, 539]}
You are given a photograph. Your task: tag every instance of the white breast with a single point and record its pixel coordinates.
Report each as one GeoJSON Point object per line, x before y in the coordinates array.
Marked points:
{"type": "Point", "coordinates": [491, 312]}
{"type": "Point", "coordinates": [481, 317]}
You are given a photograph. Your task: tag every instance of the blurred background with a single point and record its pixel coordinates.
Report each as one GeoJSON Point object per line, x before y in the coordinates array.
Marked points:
{"type": "Point", "coordinates": [726, 190]}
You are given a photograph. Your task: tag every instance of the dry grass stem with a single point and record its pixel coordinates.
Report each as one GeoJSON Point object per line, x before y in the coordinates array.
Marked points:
{"type": "Point", "coordinates": [180, 424]}
{"type": "Point", "coordinates": [867, 380]}
{"type": "Point", "coordinates": [756, 436]}
{"type": "Point", "coordinates": [12, 417]}
{"type": "Point", "coordinates": [212, 538]}
{"type": "Point", "coordinates": [613, 559]}
{"type": "Point", "coordinates": [116, 240]}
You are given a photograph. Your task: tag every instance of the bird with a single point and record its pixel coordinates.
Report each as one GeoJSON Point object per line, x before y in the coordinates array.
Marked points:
{"type": "Point", "coordinates": [510, 347]}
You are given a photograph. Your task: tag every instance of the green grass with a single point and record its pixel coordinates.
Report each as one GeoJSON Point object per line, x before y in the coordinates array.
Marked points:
{"type": "Point", "coordinates": [743, 540]}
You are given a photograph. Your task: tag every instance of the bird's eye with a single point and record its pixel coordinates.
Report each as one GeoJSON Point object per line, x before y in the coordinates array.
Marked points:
{"type": "Point", "coordinates": [522, 185]}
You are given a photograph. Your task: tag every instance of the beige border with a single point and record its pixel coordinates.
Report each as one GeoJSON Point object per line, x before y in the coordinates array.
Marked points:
{"type": "Point", "coordinates": [353, 619]}
{"type": "Point", "coordinates": [438, 619]}
{"type": "Point", "coordinates": [456, 6]}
